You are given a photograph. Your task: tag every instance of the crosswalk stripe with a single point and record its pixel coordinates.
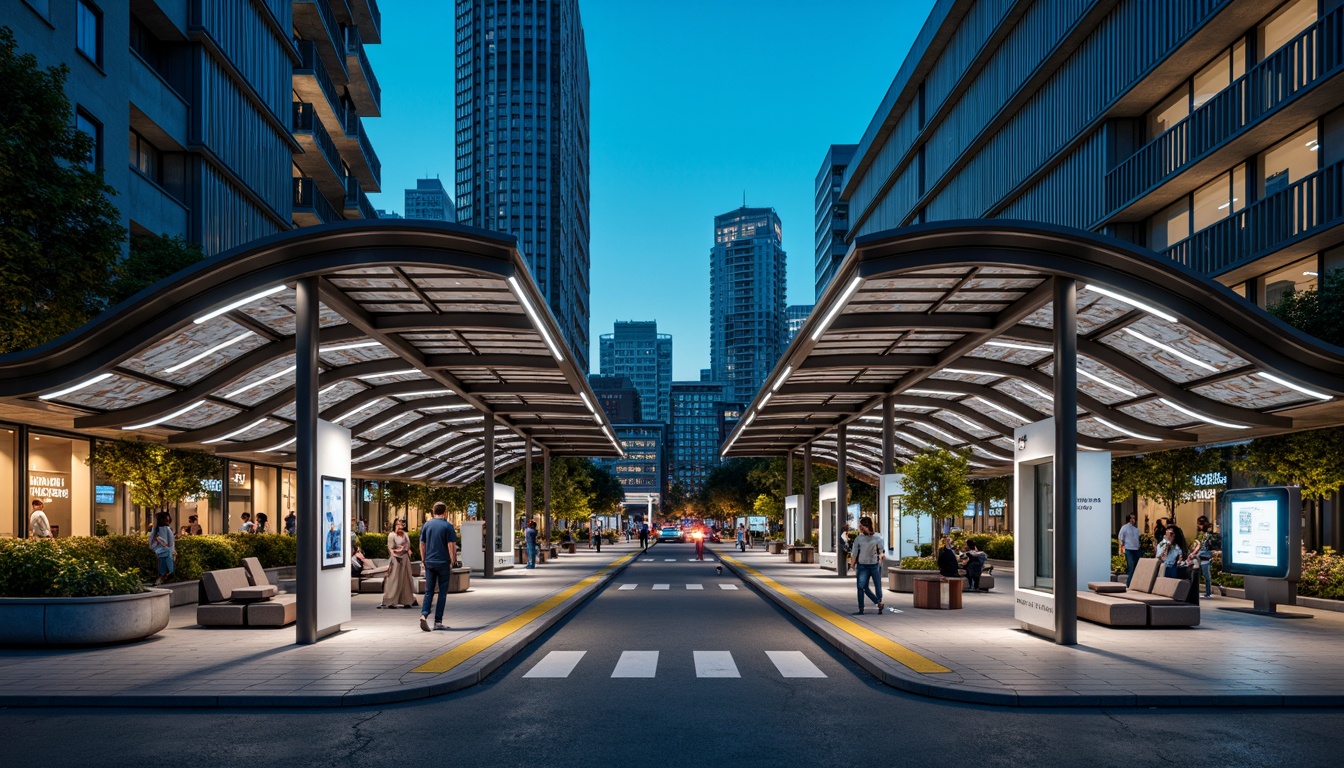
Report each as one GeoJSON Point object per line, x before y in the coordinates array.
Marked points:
{"type": "Point", "coordinates": [794, 664]}
{"type": "Point", "coordinates": [628, 586]}
{"type": "Point", "coordinates": [637, 664]}
{"type": "Point", "coordinates": [670, 560]}
{"type": "Point", "coordinates": [556, 664]}
{"type": "Point", "coordinates": [715, 664]}
{"type": "Point", "coordinates": [727, 586]}
{"type": "Point", "coordinates": [662, 586]}
{"type": "Point", "coordinates": [695, 586]}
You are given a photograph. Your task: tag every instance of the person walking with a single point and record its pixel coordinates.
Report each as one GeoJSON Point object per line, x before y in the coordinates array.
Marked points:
{"type": "Point", "coordinates": [164, 545]}
{"type": "Point", "coordinates": [865, 555]}
{"type": "Point", "coordinates": [399, 587]}
{"type": "Point", "coordinates": [39, 527]}
{"type": "Point", "coordinates": [248, 525]}
{"type": "Point", "coordinates": [438, 552]}
{"type": "Point", "coordinates": [1209, 540]}
{"type": "Point", "coordinates": [1130, 545]}
{"type": "Point", "coordinates": [741, 538]}
{"type": "Point", "coordinates": [530, 539]}
{"type": "Point", "coordinates": [643, 536]}
{"type": "Point", "coordinates": [291, 522]}
{"type": "Point", "coordinates": [596, 542]}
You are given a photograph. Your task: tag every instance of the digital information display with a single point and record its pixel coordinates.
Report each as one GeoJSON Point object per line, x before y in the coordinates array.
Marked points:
{"type": "Point", "coordinates": [1260, 531]}
{"type": "Point", "coordinates": [104, 494]}
{"type": "Point", "coordinates": [1255, 532]}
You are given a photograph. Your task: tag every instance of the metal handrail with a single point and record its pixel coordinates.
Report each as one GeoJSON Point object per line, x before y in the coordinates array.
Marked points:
{"type": "Point", "coordinates": [354, 46]}
{"type": "Point", "coordinates": [310, 61]}
{"type": "Point", "coordinates": [1310, 57]}
{"type": "Point", "coordinates": [307, 195]}
{"type": "Point", "coordinates": [305, 119]}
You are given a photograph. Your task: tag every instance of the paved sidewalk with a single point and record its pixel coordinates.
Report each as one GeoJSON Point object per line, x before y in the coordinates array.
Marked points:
{"type": "Point", "coordinates": [373, 660]}
{"type": "Point", "coordinates": [980, 654]}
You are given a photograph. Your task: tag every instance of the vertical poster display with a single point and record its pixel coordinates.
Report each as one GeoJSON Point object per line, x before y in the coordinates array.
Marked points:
{"type": "Point", "coordinates": [334, 509]}
{"type": "Point", "coordinates": [333, 515]}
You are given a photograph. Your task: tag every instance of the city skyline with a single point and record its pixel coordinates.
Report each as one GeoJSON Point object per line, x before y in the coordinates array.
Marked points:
{"type": "Point", "coordinates": [672, 194]}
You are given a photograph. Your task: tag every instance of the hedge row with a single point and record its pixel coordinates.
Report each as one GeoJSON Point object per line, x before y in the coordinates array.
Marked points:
{"type": "Point", "coordinates": [195, 554]}
{"type": "Point", "coordinates": [30, 568]}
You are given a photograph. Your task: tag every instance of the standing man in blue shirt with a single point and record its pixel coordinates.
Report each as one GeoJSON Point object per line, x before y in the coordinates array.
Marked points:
{"type": "Point", "coordinates": [530, 537]}
{"type": "Point", "coordinates": [1129, 543]}
{"type": "Point", "coordinates": [438, 552]}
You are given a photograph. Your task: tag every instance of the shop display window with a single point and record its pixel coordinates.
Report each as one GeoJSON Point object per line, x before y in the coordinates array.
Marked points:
{"type": "Point", "coordinates": [1299, 276]}
{"type": "Point", "coordinates": [59, 475]}
{"type": "Point", "coordinates": [9, 473]}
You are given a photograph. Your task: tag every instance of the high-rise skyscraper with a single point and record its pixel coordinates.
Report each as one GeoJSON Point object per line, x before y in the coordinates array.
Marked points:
{"type": "Point", "coordinates": [242, 119]}
{"type": "Point", "coordinates": [746, 300]}
{"type": "Point", "coordinates": [693, 433]}
{"type": "Point", "coordinates": [429, 200]}
{"type": "Point", "coordinates": [522, 143]}
{"type": "Point", "coordinates": [636, 349]}
{"type": "Point", "coordinates": [795, 315]}
{"type": "Point", "coordinates": [832, 214]}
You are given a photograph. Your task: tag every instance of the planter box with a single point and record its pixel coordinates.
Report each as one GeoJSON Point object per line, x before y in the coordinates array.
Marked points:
{"type": "Point", "coordinates": [902, 580]}
{"type": "Point", "coordinates": [66, 621]}
{"type": "Point", "coordinates": [802, 554]}
{"type": "Point", "coordinates": [774, 547]}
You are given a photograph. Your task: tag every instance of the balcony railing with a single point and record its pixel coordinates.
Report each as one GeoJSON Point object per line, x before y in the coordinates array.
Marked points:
{"type": "Point", "coordinates": [1312, 204]}
{"type": "Point", "coordinates": [354, 128]}
{"type": "Point", "coordinates": [356, 200]}
{"type": "Point", "coordinates": [308, 197]}
{"type": "Point", "coordinates": [311, 63]}
{"type": "Point", "coordinates": [1311, 57]}
{"type": "Point", "coordinates": [354, 46]}
{"type": "Point", "coordinates": [305, 121]}
{"type": "Point", "coordinates": [330, 24]}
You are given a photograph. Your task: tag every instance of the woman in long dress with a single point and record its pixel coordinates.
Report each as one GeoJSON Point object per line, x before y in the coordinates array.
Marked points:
{"type": "Point", "coordinates": [399, 588]}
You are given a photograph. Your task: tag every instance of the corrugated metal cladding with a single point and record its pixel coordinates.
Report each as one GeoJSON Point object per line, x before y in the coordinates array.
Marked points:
{"type": "Point", "coordinates": [233, 219]}
{"type": "Point", "coordinates": [247, 144]}
{"type": "Point", "coordinates": [243, 36]}
{"type": "Point", "coordinates": [1133, 37]}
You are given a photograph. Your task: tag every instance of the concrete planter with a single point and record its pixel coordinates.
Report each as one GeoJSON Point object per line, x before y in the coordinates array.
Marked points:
{"type": "Point", "coordinates": [774, 547]}
{"type": "Point", "coordinates": [66, 621]}
{"type": "Point", "coordinates": [801, 554]}
{"type": "Point", "coordinates": [903, 580]}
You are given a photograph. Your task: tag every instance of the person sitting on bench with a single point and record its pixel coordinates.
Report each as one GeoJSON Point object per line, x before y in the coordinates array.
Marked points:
{"type": "Point", "coordinates": [973, 560]}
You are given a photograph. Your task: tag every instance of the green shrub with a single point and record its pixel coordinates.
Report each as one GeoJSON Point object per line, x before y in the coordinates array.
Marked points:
{"type": "Point", "coordinates": [50, 569]}
{"type": "Point", "coordinates": [1322, 575]}
{"type": "Point", "coordinates": [1119, 564]}
{"type": "Point", "coordinates": [127, 552]}
{"type": "Point", "coordinates": [981, 540]}
{"type": "Point", "coordinates": [374, 545]}
{"type": "Point", "coordinates": [274, 550]}
{"type": "Point", "coordinates": [919, 563]}
{"type": "Point", "coordinates": [1115, 547]}
{"type": "Point", "coordinates": [198, 554]}
{"type": "Point", "coordinates": [100, 527]}
{"type": "Point", "coordinates": [1000, 547]}
{"type": "Point", "coordinates": [926, 549]}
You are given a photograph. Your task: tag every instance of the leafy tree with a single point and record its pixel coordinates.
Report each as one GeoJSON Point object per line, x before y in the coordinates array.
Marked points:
{"type": "Point", "coordinates": [158, 476]}
{"type": "Point", "coordinates": [936, 486]}
{"type": "Point", "coordinates": [770, 507]}
{"type": "Point", "coordinates": [1168, 477]}
{"type": "Point", "coordinates": [1124, 478]}
{"type": "Point", "coordinates": [1313, 460]}
{"type": "Point", "coordinates": [151, 259]}
{"type": "Point", "coordinates": [1319, 312]}
{"type": "Point", "coordinates": [607, 491]}
{"type": "Point", "coordinates": [60, 235]}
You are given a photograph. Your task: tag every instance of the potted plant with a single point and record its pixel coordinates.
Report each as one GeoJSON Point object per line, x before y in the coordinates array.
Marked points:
{"type": "Point", "coordinates": [902, 579]}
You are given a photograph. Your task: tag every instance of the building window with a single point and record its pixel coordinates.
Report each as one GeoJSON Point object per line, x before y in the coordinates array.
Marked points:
{"type": "Point", "coordinates": [1300, 276]}
{"type": "Point", "coordinates": [145, 157]}
{"type": "Point", "coordinates": [1288, 161]}
{"type": "Point", "coordinates": [89, 31]}
{"type": "Point", "coordinates": [1286, 23]}
{"type": "Point", "coordinates": [86, 123]}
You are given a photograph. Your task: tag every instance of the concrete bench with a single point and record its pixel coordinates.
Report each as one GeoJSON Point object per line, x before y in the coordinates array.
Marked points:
{"type": "Point", "coordinates": [1111, 611]}
{"type": "Point", "coordinates": [1160, 600]}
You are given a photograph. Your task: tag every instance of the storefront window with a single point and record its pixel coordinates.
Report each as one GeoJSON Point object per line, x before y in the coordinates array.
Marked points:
{"type": "Point", "coordinates": [1045, 525]}
{"type": "Point", "coordinates": [59, 475]}
{"type": "Point", "coordinates": [288, 499]}
{"type": "Point", "coordinates": [1300, 276]}
{"type": "Point", "coordinates": [372, 509]}
{"type": "Point", "coordinates": [1289, 161]}
{"type": "Point", "coordinates": [265, 496]}
{"type": "Point", "coordinates": [240, 495]}
{"type": "Point", "coordinates": [9, 473]}
{"type": "Point", "coordinates": [112, 512]}
{"type": "Point", "coordinates": [1286, 23]}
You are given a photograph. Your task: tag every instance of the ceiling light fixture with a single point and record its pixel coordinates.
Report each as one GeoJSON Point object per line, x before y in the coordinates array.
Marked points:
{"type": "Point", "coordinates": [209, 352]}
{"type": "Point", "coordinates": [238, 303]}
{"type": "Point", "coordinates": [998, 407]}
{"type": "Point", "coordinates": [782, 377]}
{"type": "Point", "coordinates": [357, 409]}
{"type": "Point", "coordinates": [1295, 387]}
{"type": "Point", "coordinates": [1017, 345]}
{"type": "Point", "coordinates": [404, 372]}
{"type": "Point", "coordinates": [352, 345]}
{"type": "Point", "coordinates": [1105, 383]}
{"type": "Point", "coordinates": [1132, 302]}
{"type": "Point", "coordinates": [169, 417]}
{"type": "Point", "coordinates": [1182, 409]}
{"type": "Point", "coordinates": [1170, 349]}
{"type": "Point", "coordinates": [236, 432]}
{"type": "Point", "coordinates": [77, 387]}
{"type": "Point", "coordinates": [266, 380]}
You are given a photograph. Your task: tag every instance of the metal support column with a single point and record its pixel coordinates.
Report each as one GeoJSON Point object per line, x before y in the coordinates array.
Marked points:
{"type": "Point", "coordinates": [841, 502]}
{"type": "Point", "coordinates": [527, 488]}
{"type": "Point", "coordinates": [488, 438]}
{"type": "Point", "coordinates": [306, 492]}
{"type": "Point", "coordinates": [1066, 461]}
{"type": "Point", "coordinates": [788, 475]}
{"type": "Point", "coordinates": [807, 494]}
{"type": "Point", "coordinates": [546, 494]}
{"type": "Point", "coordinates": [888, 434]}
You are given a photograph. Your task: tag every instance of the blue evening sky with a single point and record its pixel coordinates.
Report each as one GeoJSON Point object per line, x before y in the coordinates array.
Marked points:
{"type": "Point", "coordinates": [693, 102]}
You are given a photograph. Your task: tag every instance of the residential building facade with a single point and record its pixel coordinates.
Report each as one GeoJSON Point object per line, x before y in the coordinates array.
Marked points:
{"type": "Point", "coordinates": [794, 317]}
{"type": "Point", "coordinates": [241, 119]}
{"type": "Point", "coordinates": [693, 432]}
{"type": "Point", "coordinates": [1208, 131]}
{"type": "Point", "coordinates": [522, 143]}
{"type": "Point", "coordinates": [642, 470]}
{"type": "Point", "coordinates": [636, 349]}
{"type": "Point", "coordinates": [429, 200]}
{"type": "Point", "coordinates": [831, 213]}
{"type": "Point", "coordinates": [618, 398]}
{"type": "Point", "coordinates": [746, 286]}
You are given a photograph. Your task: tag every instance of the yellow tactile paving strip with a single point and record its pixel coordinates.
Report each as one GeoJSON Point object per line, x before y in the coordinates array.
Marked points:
{"type": "Point", "coordinates": [887, 647]}
{"type": "Point", "coordinates": [464, 652]}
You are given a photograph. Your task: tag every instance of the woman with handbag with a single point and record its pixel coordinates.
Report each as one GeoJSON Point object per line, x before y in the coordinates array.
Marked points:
{"type": "Point", "coordinates": [163, 543]}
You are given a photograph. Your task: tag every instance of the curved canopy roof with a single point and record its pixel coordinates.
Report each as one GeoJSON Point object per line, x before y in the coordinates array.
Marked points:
{"type": "Point", "coordinates": [425, 326]}
{"type": "Point", "coordinates": [953, 321]}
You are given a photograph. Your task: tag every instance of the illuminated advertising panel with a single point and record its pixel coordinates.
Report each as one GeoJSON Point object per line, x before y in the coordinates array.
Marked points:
{"type": "Point", "coordinates": [1257, 531]}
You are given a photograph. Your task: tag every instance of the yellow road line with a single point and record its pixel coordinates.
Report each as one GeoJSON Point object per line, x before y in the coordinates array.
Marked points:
{"type": "Point", "coordinates": [456, 656]}
{"type": "Point", "coordinates": [886, 646]}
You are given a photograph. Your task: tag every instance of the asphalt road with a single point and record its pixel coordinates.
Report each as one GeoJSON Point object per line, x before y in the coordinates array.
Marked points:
{"type": "Point", "coordinates": [591, 692]}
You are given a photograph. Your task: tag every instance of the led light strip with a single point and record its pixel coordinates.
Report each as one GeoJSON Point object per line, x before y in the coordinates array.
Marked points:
{"type": "Point", "coordinates": [358, 409]}
{"type": "Point", "coordinates": [77, 387]}
{"type": "Point", "coordinates": [256, 384]}
{"type": "Point", "coordinates": [405, 372]}
{"type": "Point", "coordinates": [836, 307]}
{"type": "Point", "coordinates": [285, 444]}
{"type": "Point", "coordinates": [1182, 409]}
{"type": "Point", "coordinates": [1124, 431]}
{"type": "Point", "coordinates": [933, 392]}
{"type": "Point", "coordinates": [1132, 302]}
{"type": "Point", "coordinates": [400, 458]}
{"type": "Point", "coordinates": [990, 454]}
{"type": "Point", "coordinates": [355, 345]}
{"type": "Point", "coordinates": [236, 432]}
{"type": "Point", "coordinates": [1105, 383]}
{"type": "Point", "coordinates": [968, 372]}
{"type": "Point", "coordinates": [1035, 390]}
{"type": "Point", "coordinates": [422, 392]}
{"type": "Point", "coordinates": [782, 377]}
{"type": "Point", "coordinates": [948, 435]}
{"type": "Point", "coordinates": [536, 319]}
{"type": "Point", "coordinates": [584, 397]}
{"type": "Point", "coordinates": [1171, 349]}
{"type": "Point", "coordinates": [968, 422]}
{"type": "Point", "coordinates": [169, 417]}
{"type": "Point", "coordinates": [1295, 387]}
{"type": "Point", "coordinates": [238, 303]}
{"type": "Point", "coordinates": [209, 352]}
{"type": "Point", "coordinates": [1016, 345]}
{"type": "Point", "coordinates": [998, 407]}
